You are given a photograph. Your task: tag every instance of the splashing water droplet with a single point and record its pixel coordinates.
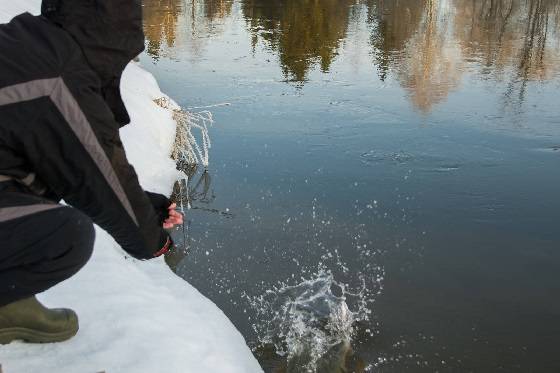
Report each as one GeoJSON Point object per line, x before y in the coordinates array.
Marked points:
{"type": "Point", "coordinates": [307, 320]}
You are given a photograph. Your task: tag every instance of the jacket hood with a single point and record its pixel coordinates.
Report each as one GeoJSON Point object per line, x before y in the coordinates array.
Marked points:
{"type": "Point", "coordinates": [110, 34]}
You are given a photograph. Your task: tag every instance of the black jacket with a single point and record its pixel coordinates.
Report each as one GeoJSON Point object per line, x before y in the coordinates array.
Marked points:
{"type": "Point", "coordinates": [61, 110]}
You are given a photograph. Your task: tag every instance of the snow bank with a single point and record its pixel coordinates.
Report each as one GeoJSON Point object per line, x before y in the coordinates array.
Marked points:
{"type": "Point", "coordinates": [134, 316]}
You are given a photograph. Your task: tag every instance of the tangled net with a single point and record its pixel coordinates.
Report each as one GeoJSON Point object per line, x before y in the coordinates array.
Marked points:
{"type": "Point", "coordinates": [187, 151]}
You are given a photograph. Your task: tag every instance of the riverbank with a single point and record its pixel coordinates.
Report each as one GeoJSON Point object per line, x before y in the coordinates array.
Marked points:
{"type": "Point", "coordinates": [134, 316]}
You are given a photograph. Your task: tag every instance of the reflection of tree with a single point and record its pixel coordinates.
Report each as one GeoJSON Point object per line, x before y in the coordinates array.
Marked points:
{"type": "Point", "coordinates": [217, 8]}
{"type": "Point", "coordinates": [503, 33]}
{"type": "Point", "coordinates": [411, 37]}
{"type": "Point", "coordinates": [162, 17]}
{"type": "Point", "coordinates": [203, 18]}
{"type": "Point", "coordinates": [160, 24]}
{"type": "Point", "coordinates": [430, 63]}
{"type": "Point", "coordinates": [304, 32]}
{"type": "Point", "coordinates": [420, 41]}
{"type": "Point", "coordinates": [510, 34]}
{"type": "Point", "coordinates": [395, 21]}
{"type": "Point", "coordinates": [423, 41]}
{"type": "Point", "coordinates": [484, 30]}
{"type": "Point", "coordinates": [533, 62]}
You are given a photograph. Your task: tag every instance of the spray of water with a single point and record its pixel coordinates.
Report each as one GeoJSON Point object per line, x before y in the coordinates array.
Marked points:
{"type": "Point", "coordinates": [305, 321]}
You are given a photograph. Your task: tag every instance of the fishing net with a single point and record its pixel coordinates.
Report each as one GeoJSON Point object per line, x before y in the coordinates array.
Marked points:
{"type": "Point", "coordinates": [188, 151]}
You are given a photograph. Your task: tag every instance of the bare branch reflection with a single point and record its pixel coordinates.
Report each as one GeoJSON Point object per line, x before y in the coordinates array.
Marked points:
{"type": "Point", "coordinates": [160, 24]}
{"type": "Point", "coordinates": [193, 193]}
{"type": "Point", "coordinates": [431, 64]}
{"type": "Point", "coordinates": [395, 22]}
{"type": "Point", "coordinates": [511, 40]}
{"type": "Point", "coordinates": [426, 46]}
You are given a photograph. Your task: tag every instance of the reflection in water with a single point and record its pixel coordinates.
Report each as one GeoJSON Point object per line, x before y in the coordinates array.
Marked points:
{"type": "Point", "coordinates": [410, 38]}
{"type": "Point", "coordinates": [431, 65]}
{"type": "Point", "coordinates": [510, 35]}
{"type": "Point", "coordinates": [487, 32]}
{"type": "Point", "coordinates": [167, 21]}
{"type": "Point", "coordinates": [495, 51]}
{"type": "Point", "coordinates": [303, 32]}
{"type": "Point", "coordinates": [339, 359]}
{"type": "Point", "coordinates": [533, 62]}
{"type": "Point", "coordinates": [216, 8]}
{"type": "Point", "coordinates": [160, 24]}
{"type": "Point", "coordinates": [396, 21]}
{"type": "Point", "coordinates": [424, 45]}
{"type": "Point", "coordinates": [194, 192]}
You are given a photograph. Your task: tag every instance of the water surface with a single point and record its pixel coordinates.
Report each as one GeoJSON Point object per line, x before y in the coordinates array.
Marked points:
{"type": "Point", "coordinates": [392, 163]}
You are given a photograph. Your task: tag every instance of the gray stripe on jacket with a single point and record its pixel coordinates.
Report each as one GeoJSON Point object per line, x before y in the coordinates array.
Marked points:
{"type": "Point", "coordinates": [11, 213]}
{"type": "Point", "coordinates": [62, 98]}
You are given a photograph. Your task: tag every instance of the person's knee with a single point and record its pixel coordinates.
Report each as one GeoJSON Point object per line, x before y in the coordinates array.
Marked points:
{"type": "Point", "coordinates": [78, 235]}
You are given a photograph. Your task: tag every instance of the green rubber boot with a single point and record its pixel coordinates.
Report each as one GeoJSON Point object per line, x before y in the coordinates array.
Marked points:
{"type": "Point", "coordinates": [30, 321]}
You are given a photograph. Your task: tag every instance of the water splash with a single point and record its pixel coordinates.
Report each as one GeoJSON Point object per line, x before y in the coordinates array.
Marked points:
{"type": "Point", "coordinates": [306, 321]}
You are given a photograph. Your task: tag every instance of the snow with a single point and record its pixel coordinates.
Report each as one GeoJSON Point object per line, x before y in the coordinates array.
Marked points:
{"type": "Point", "coordinates": [134, 316]}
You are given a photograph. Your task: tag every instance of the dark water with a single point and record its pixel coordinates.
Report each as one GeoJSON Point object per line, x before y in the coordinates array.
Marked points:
{"type": "Point", "coordinates": [409, 149]}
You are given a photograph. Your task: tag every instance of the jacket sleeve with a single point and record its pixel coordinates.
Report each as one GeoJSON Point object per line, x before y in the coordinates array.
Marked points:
{"type": "Point", "coordinates": [77, 152]}
{"type": "Point", "coordinates": [160, 203]}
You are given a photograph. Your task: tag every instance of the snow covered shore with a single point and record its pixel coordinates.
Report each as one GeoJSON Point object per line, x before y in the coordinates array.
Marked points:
{"type": "Point", "coordinates": [134, 316]}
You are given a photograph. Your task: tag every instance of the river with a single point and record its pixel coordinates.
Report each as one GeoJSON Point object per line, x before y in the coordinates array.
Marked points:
{"type": "Point", "coordinates": [382, 193]}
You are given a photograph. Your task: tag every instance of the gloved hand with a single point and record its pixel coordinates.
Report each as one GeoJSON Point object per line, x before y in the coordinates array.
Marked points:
{"type": "Point", "coordinates": [168, 217]}
{"type": "Point", "coordinates": [160, 203]}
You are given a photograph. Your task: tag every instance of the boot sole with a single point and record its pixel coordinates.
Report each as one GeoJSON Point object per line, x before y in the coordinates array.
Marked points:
{"type": "Point", "coordinates": [9, 335]}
